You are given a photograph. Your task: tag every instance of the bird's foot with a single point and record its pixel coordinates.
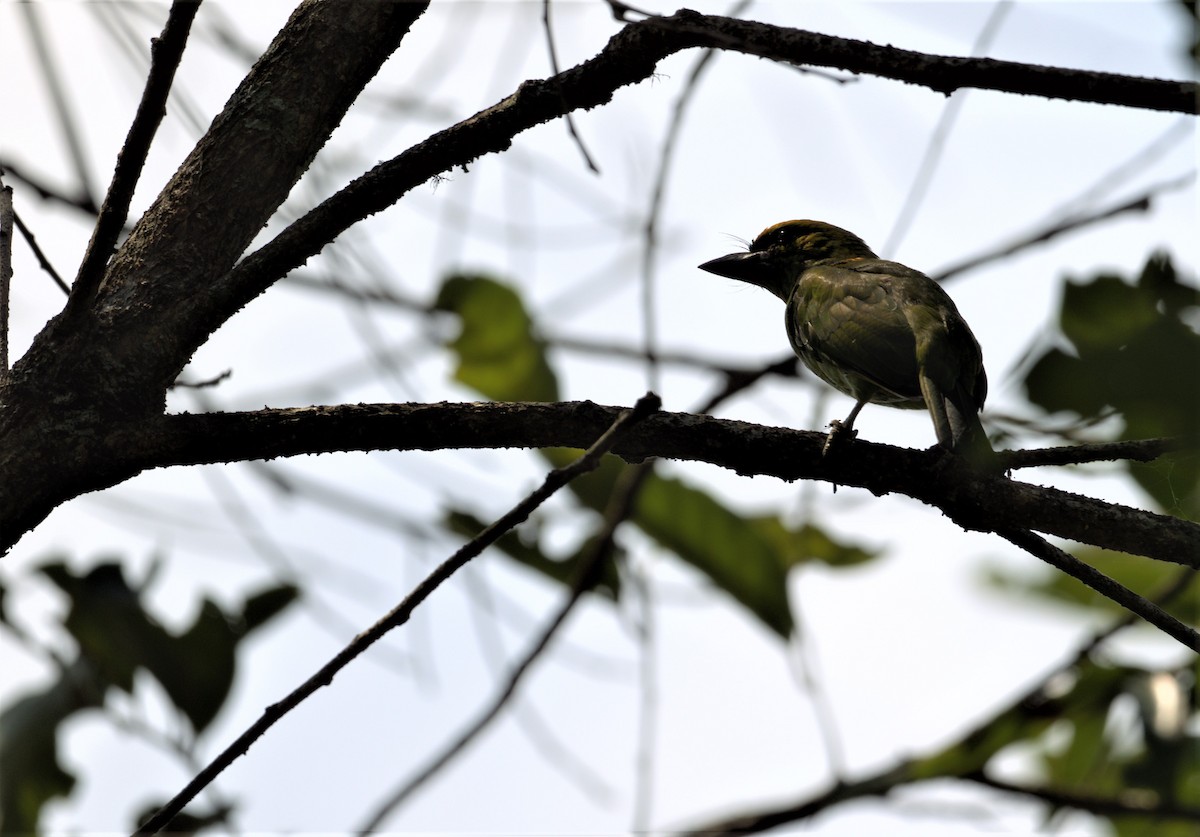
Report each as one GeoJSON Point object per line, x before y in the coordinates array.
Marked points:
{"type": "Point", "coordinates": [839, 434]}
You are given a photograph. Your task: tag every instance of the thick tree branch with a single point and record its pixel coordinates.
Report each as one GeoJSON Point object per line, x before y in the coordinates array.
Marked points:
{"type": "Point", "coordinates": [631, 56]}
{"type": "Point", "coordinates": [147, 315]}
{"type": "Point", "coordinates": [942, 73]}
{"type": "Point", "coordinates": [165, 53]}
{"type": "Point", "coordinates": [974, 501]}
{"type": "Point", "coordinates": [97, 368]}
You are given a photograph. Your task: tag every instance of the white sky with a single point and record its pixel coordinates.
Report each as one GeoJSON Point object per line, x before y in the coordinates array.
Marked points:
{"type": "Point", "coordinates": [912, 649]}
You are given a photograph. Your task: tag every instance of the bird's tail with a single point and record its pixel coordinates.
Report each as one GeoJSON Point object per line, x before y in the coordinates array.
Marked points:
{"type": "Point", "coordinates": [956, 422]}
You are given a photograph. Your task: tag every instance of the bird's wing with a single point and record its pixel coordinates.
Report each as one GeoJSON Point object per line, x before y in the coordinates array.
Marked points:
{"type": "Point", "coordinates": [949, 361]}
{"type": "Point", "coordinates": [852, 319]}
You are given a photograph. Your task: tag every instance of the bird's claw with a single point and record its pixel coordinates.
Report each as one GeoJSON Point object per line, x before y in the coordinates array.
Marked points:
{"type": "Point", "coordinates": [839, 433]}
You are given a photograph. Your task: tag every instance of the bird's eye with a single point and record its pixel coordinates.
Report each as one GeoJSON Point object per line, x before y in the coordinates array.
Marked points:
{"type": "Point", "coordinates": [769, 241]}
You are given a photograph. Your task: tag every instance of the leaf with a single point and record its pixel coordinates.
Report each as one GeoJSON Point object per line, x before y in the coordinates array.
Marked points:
{"type": "Point", "coordinates": [1134, 350]}
{"type": "Point", "coordinates": [264, 606]}
{"type": "Point", "coordinates": [107, 620]}
{"type": "Point", "coordinates": [117, 636]}
{"type": "Point", "coordinates": [563, 570]}
{"type": "Point", "coordinates": [197, 668]}
{"type": "Point", "coordinates": [729, 549]}
{"type": "Point", "coordinates": [812, 543]}
{"type": "Point", "coordinates": [30, 774]}
{"type": "Point", "coordinates": [1088, 696]}
{"type": "Point", "coordinates": [498, 354]}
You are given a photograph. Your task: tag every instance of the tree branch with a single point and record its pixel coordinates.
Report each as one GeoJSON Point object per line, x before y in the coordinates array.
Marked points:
{"type": "Point", "coordinates": [400, 614]}
{"type": "Point", "coordinates": [166, 51]}
{"type": "Point", "coordinates": [973, 500]}
{"type": "Point", "coordinates": [968, 754]}
{"type": "Point", "coordinates": [1103, 585]}
{"type": "Point", "coordinates": [1125, 803]}
{"type": "Point", "coordinates": [620, 505]}
{"type": "Point", "coordinates": [631, 56]}
{"type": "Point", "coordinates": [1137, 450]}
{"type": "Point", "coordinates": [941, 73]}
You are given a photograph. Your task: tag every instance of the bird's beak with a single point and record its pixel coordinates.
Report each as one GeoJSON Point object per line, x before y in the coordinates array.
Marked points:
{"type": "Point", "coordinates": [748, 267]}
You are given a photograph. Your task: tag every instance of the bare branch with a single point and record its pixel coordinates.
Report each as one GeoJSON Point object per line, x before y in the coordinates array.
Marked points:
{"type": "Point", "coordinates": [1141, 203]}
{"type": "Point", "coordinates": [1104, 585]}
{"type": "Point", "coordinates": [942, 73]}
{"type": "Point", "coordinates": [6, 271]}
{"type": "Point", "coordinates": [631, 56]}
{"type": "Point", "coordinates": [166, 51]}
{"type": "Point", "coordinates": [1033, 702]}
{"type": "Point", "coordinates": [38, 253]}
{"type": "Point", "coordinates": [81, 202]}
{"type": "Point", "coordinates": [1130, 802]}
{"type": "Point", "coordinates": [1137, 450]}
{"type": "Point", "coordinates": [71, 133]}
{"type": "Point", "coordinates": [554, 68]}
{"type": "Point", "coordinates": [974, 500]}
{"type": "Point", "coordinates": [555, 480]}
{"type": "Point", "coordinates": [620, 505]}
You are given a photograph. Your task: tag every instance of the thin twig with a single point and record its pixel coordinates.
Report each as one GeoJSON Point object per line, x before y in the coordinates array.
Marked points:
{"type": "Point", "coordinates": [619, 507]}
{"type": "Point", "coordinates": [400, 614]}
{"type": "Point", "coordinates": [6, 271]}
{"type": "Point", "coordinates": [1141, 203]}
{"type": "Point", "coordinates": [70, 130]}
{"type": "Point", "coordinates": [883, 782]}
{"type": "Point", "coordinates": [554, 69]}
{"type": "Point", "coordinates": [657, 196]}
{"type": "Point", "coordinates": [180, 383]}
{"type": "Point", "coordinates": [1136, 450]}
{"type": "Point", "coordinates": [525, 715]}
{"type": "Point", "coordinates": [165, 53]}
{"type": "Point", "coordinates": [1130, 802]}
{"type": "Point", "coordinates": [38, 254]}
{"type": "Point", "coordinates": [81, 202]}
{"type": "Point", "coordinates": [941, 133]}
{"type": "Point", "coordinates": [1102, 584]}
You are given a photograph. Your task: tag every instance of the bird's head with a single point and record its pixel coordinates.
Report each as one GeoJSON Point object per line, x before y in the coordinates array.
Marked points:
{"type": "Point", "coordinates": [782, 252]}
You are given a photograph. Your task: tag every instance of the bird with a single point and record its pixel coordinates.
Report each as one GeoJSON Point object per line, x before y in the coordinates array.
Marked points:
{"type": "Point", "coordinates": [873, 329]}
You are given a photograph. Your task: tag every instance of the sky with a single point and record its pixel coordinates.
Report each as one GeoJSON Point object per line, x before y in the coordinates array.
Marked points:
{"type": "Point", "coordinates": [909, 650]}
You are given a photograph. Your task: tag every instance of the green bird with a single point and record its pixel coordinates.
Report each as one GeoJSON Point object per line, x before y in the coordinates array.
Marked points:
{"type": "Point", "coordinates": [875, 330]}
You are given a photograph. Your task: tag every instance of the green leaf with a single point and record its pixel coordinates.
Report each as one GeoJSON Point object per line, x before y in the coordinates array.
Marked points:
{"type": "Point", "coordinates": [30, 774]}
{"type": "Point", "coordinates": [812, 543]}
{"type": "Point", "coordinates": [498, 354]}
{"type": "Point", "coordinates": [107, 620]}
{"type": "Point", "coordinates": [732, 551]}
{"type": "Point", "coordinates": [530, 554]}
{"type": "Point", "coordinates": [197, 668]}
{"type": "Point", "coordinates": [264, 606]}
{"type": "Point", "coordinates": [1088, 696]}
{"type": "Point", "coordinates": [1134, 350]}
